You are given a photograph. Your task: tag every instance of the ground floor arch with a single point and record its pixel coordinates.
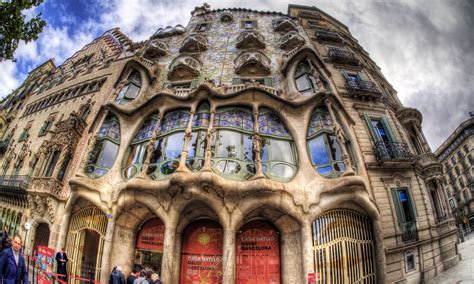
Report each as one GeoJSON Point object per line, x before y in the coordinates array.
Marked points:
{"type": "Point", "coordinates": [201, 252]}
{"type": "Point", "coordinates": [149, 244]}
{"type": "Point", "coordinates": [344, 247]}
{"type": "Point", "coordinates": [85, 241]}
{"type": "Point", "coordinates": [42, 233]}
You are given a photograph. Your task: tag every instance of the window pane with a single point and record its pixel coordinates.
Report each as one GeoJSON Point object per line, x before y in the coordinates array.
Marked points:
{"type": "Point", "coordinates": [380, 130]}
{"type": "Point", "coordinates": [334, 148]}
{"type": "Point", "coordinates": [248, 153]}
{"type": "Point", "coordinates": [157, 151]}
{"type": "Point", "coordinates": [228, 167]}
{"type": "Point", "coordinates": [318, 151]}
{"type": "Point", "coordinates": [324, 170]}
{"type": "Point", "coordinates": [302, 83]}
{"type": "Point", "coordinates": [109, 152]}
{"type": "Point", "coordinates": [132, 92]}
{"type": "Point", "coordinates": [281, 151]}
{"type": "Point", "coordinates": [282, 170]}
{"type": "Point", "coordinates": [192, 145]}
{"type": "Point", "coordinates": [174, 147]}
{"type": "Point", "coordinates": [230, 144]}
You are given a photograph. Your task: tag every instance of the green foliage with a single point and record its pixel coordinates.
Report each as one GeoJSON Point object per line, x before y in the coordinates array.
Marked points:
{"type": "Point", "coordinates": [14, 28]}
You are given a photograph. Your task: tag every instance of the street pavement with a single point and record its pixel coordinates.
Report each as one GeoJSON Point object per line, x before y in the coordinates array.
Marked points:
{"type": "Point", "coordinates": [463, 272]}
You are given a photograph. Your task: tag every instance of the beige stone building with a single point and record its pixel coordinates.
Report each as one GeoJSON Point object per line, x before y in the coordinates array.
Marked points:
{"type": "Point", "coordinates": [245, 146]}
{"type": "Point", "coordinates": [457, 157]}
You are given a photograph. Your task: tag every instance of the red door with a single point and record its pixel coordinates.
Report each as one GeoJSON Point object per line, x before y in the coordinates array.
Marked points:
{"type": "Point", "coordinates": [258, 254]}
{"type": "Point", "coordinates": [201, 253]}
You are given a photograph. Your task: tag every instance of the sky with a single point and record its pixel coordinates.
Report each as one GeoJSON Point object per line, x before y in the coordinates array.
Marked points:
{"type": "Point", "coordinates": [425, 48]}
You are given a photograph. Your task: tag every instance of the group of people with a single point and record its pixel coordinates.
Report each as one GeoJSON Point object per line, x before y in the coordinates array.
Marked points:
{"type": "Point", "coordinates": [137, 276]}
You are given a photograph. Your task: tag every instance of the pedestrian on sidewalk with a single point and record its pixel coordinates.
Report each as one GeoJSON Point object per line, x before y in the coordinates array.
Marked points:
{"type": "Point", "coordinates": [61, 262]}
{"type": "Point", "coordinates": [117, 277]}
{"type": "Point", "coordinates": [12, 264]}
{"type": "Point", "coordinates": [133, 275]}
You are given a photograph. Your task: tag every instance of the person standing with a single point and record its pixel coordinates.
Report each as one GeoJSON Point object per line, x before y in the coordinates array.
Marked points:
{"type": "Point", "coordinates": [133, 275]}
{"type": "Point", "coordinates": [61, 262]}
{"type": "Point", "coordinates": [12, 264]}
{"type": "Point", "coordinates": [117, 277]}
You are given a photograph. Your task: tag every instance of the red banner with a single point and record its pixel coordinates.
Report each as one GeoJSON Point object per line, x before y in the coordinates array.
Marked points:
{"type": "Point", "coordinates": [201, 254]}
{"type": "Point", "coordinates": [151, 236]}
{"type": "Point", "coordinates": [258, 254]}
{"type": "Point", "coordinates": [45, 257]}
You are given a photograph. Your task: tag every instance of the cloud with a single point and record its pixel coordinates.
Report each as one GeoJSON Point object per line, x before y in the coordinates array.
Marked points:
{"type": "Point", "coordinates": [8, 81]}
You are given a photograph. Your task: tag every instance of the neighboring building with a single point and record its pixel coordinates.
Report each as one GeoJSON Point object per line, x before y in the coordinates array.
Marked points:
{"type": "Point", "coordinates": [245, 145]}
{"type": "Point", "coordinates": [457, 156]}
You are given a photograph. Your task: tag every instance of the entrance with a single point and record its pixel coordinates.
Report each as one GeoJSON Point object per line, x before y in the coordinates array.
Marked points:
{"type": "Point", "coordinates": [201, 253]}
{"type": "Point", "coordinates": [41, 236]}
{"type": "Point", "coordinates": [90, 249]}
{"type": "Point", "coordinates": [344, 247]}
{"type": "Point", "coordinates": [149, 248]}
{"type": "Point", "coordinates": [258, 254]}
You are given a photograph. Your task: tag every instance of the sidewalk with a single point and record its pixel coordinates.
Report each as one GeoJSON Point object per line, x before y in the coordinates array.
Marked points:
{"type": "Point", "coordinates": [463, 272]}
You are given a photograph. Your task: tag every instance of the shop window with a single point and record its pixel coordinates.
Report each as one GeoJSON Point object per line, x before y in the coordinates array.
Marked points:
{"type": "Point", "coordinates": [149, 245]}
{"type": "Point", "coordinates": [105, 149]}
{"type": "Point", "coordinates": [232, 149]}
{"type": "Point", "coordinates": [278, 152]}
{"type": "Point", "coordinates": [198, 143]}
{"type": "Point", "coordinates": [137, 150]}
{"type": "Point", "coordinates": [169, 144]}
{"type": "Point", "coordinates": [324, 149]}
{"type": "Point", "coordinates": [131, 88]}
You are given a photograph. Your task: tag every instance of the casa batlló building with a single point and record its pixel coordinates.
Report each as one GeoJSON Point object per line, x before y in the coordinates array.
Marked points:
{"type": "Point", "coordinates": [246, 147]}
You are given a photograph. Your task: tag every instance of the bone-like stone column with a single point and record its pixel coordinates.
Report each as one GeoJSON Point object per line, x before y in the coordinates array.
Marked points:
{"type": "Point", "coordinates": [228, 257]}
{"type": "Point", "coordinates": [107, 250]}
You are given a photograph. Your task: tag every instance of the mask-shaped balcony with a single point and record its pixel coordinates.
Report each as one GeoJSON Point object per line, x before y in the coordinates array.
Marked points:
{"type": "Point", "coordinates": [250, 39]}
{"type": "Point", "coordinates": [184, 67]}
{"type": "Point", "coordinates": [155, 50]}
{"type": "Point", "coordinates": [291, 40]}
{"type": "Point", "coordinates": [251, 63]}
{"type": "Point", "coordinates": [194, 43]}
{"type": "Point", "coordinates": [284, 25]}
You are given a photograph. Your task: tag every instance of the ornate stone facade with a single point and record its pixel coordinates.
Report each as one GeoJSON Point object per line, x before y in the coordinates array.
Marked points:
{"type": "Point", "coordinates": [245, 135]}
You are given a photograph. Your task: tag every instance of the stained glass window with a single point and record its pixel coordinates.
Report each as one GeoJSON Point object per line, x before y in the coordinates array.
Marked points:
{"type": "Point", "coordinates": [174, 120]}
{"type": "Point", "coordinates": [234, 118]}
{"type": "Point", "coordinates": [325, 151]}
{"type": "Point", "coordinates": [131, 88]}
{"type": "Point", "coordinates": [105, 149]}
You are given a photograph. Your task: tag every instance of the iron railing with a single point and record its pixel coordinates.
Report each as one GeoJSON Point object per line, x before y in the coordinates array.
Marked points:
{"type": "Point", "coordinates": [327, 36]}
{"type": "Point", "coordinates": [386, 151]}
{"type": "Point", "coordinates": [15, 181]}
{"type": "Point", "coordinates": [342, 56]}
{"type": "Point", "coordinates": [361, 85]}
{"type": "Point", "coordinates": [409, 232]}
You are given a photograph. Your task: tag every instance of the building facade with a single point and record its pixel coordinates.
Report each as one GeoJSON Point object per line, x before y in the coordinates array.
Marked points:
{"type": "Point", "coordinates": [246, 147]}
{"type": "Point", "coordinates": [457, 157]}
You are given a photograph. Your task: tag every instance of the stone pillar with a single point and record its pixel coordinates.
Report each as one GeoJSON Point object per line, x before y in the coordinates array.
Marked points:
{"type": "Point", "coordinates": [443, 197]}
{"type": "Point", "coordinates": [209, 136]}
{"type": "Point", "coordinates": [107, 250]}
{"type": "Point", "coordinates": [151, 147]}
{"type": "Point", "coordinates": [307, 249]}
{"type": "Point", "coordinates": [62, 238]}
{"type": "Point", "coordinates": [257, 145]}
{"type": "Point", "coordinates": [228, 257]}
{"type": "Point", "coordinates": [184, 153]}
{"type": "Point", "coordinates": [168, 252]}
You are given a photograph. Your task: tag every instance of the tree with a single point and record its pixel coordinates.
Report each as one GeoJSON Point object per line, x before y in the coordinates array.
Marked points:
{"type": "Point", "coordinates": [14, 28]}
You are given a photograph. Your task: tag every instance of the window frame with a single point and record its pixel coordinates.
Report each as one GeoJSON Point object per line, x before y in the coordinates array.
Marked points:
{"type": "Point", "coordinates": [243, 24]}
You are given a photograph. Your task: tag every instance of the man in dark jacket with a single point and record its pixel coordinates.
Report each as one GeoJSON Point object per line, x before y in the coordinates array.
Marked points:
{"type": "Point", "coordinates": [117, 277]}
{"type": "Point", "coordinates": [12, 264]}
{"type": "Point", "coordinates": [131, 278]}
{"type": "Point", "coordinates": [61, 261]}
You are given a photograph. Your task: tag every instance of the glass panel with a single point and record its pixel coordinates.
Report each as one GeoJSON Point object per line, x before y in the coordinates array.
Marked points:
{"type": "Point", "coordinates": [230, 144]}
{"type": "Point", "coordinates": [281, 151]}
{"type": "Point", "coordinates": [324, 170]}
{"type": "Point", "coordinates": [302, 83]}
{"type": "Point", "coordinates": [282, 170]}
{"type": "Point", "coordinates": [264, 150]}
{"type": "Point", "coordinates": [192, 145]}
{"type": "Point", "coordinates": [131, 92]}
{"type": "Point", "coordinates": [248, 153]}
{"type": "Point", "coordinates": [174, 146]}
{"type": "Point", "coordinates": [228, 167]}
{"type": "Point", "coordinates": [195, 164]}
{"type": "Point", "coordinates": [271, 124]}
{"type": "Point", "coordinates": [318, 151]}
{"type": "Point", "coordinates": [110, 128]}
{"type": "Point", "coordinates": [122, 93]}
{"type": "Point", "coordinates": [147, 129]}
{"type": "Point", "coordinates": [380, 130]}
{"type": "Point", "coordinates": [201, 120]}
{"type": "Point", "coordinates": [334, 148]}
{"type": "Point", "coordinates": [174, 120]}
{"type": "Point", "coordinates": [109, 152]}
{"type": "Point", "coordinates": [340, 167]}
{"type": "Point", "coordinates": [157, 153]}
{"type": "Point", "coordinates": [235, 118]}
{"type": "Point", "coordinates": [320, 120]}
{"type": "Point", "coordinates": [169, 167]}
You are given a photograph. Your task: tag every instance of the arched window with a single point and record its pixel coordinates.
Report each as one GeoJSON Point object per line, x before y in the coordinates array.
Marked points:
{"type": "Point", "coordinates": [278, 152]}
{"type": "Point", "coordinates": [325, 151]}
{"type": "Point", "coordinates": [169, 145]}
{"type": "Point", "coordinates": [131, 88]}
{"type": "Point", "coordinates": [105, 150]}
{"type": "Point", "coordinates": [197, 143]}
{"type": "Point", "coordinates": [232, 150]}
{"type": "Point", "coordinates": [305, 79]}
{"type": "Point", "coordinates": [138, 148]}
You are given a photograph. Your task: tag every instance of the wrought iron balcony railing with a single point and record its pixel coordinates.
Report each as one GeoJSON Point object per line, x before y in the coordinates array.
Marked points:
{"type": "Point", "coordinates": [15, 181]}
{"type": "Point", "coordinates": [328, 36]}
{"type": "Point", "coordinates": [409, 232]}
{"type": "Point", "coordinates": [362, 86]}
{"type": "Point", "coordinates": [389, 151]}
{"type": "Point", "coordinates": [342, 56]}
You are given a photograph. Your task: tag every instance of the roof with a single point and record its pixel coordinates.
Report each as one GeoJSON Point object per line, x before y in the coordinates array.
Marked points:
{"type": "Point", "coordinates": [452, 137]}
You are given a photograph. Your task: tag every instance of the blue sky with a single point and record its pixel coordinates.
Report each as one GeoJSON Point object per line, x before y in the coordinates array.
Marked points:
{"type": "Point", "coordinates": [424, 47]}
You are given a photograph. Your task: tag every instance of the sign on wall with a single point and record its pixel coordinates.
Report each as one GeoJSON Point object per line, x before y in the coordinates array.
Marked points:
{"type": "Point", "coordinates": [45, 257]}
{"type": "Point", "coordinates": [151, 235]}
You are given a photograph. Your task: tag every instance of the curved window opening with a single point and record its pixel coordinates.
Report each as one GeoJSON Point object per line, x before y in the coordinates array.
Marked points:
{"type": "Point", "coordinates": [232, 149]}
{"type": "Point", "coordinates": [324, 149]}
{"type": "Point", "coordinates": [169, 144]}
{"type": "Point", "coordinates": [307, 81]}
{"type": "Point", "coordinates": [105, 150]}
{"type": "Point", "coordinates": [131, 88]}
{"type": "Point", "coordinates": [197, 144]}
{"type": "Point", "coordinates": [278, 153]}
{"type": "Point", "coordinates": [137, 150]}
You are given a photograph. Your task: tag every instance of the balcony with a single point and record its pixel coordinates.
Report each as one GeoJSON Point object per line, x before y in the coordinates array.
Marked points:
{"type": "Point", "coordinates": [184, 68]}
{"type": "Point", "coordinates": [13, 190]}
{"type": "Point", "coordinates": [4, 145]}
{"type": "Point", "coordinates": [283, 25]}
{"type": "Point", "coordinates": [409, 232]}
{"type": "Point", "coordinates": [328, 36]}
{"type": "Point", "coordinates": [392, 151]}
{"type": "Point", "coordinates": [194, 43]}
{"type": "Point", "coordinates": [155, 50]}
{"type": "Point", "coordinates": [19, 182]}
{"type": "Point", "coordinates": [362, 88]}
{"type": "Point", "coordinates": [341, 56]}
{"type": "Point", "coordinates": [252, 63]}
{"type": "Point", "coordinates": [291, 40]}
{"type": "Point", "coordinates": [250, 39]}
{"type": "Point", "coordinates": [46, 184]}
{"type": "Point", "coordinates": [430, 164]}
